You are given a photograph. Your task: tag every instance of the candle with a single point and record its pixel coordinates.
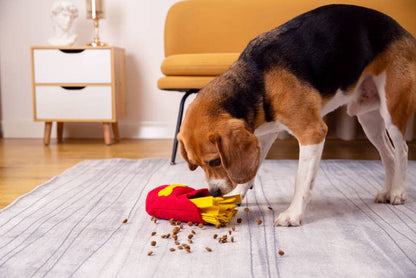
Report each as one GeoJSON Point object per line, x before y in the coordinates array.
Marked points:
{"type": "Point", "coordinates": [95, 9]}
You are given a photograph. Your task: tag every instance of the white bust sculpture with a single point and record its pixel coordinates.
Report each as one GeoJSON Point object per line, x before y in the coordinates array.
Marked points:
{"type": "Point", "coordinates": [63, 14]}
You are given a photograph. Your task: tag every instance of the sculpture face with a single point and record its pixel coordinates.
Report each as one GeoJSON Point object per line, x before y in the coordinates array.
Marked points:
{"type": "Point", "coordinates": [63, 14]}
{"type": "Point", "coordinates": [63, 20]}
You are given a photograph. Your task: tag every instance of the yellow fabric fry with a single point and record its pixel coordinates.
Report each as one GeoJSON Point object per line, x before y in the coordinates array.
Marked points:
{"type": "Point", "coordinates": [217, 210]}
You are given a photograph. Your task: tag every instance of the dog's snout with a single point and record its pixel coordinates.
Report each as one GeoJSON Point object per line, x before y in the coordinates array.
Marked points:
{"type": "Point", "coordinates": [215, 192]}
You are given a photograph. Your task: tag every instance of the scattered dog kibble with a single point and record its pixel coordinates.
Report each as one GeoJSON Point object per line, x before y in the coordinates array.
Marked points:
{"type": "Point", "coordinates": [125, 221]}
{"type": "Point", "coordinates": [281, 253]}
{"type": "Point", "coordinates": [270, 208]}
{"type": "Point", "coordinates": [179, 227]}
{"type": "Point", "coordinates": [246, 209]}
{"type": "Point", "coordinates": [259, 222]}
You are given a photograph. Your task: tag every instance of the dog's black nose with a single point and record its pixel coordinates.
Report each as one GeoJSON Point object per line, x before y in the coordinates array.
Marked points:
{"type": "Point", "coordinates": [215, 192]}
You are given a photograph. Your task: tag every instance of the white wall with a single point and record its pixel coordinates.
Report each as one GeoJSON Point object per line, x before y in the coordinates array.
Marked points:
{"type": "Point", "coordinates": [135, 25]}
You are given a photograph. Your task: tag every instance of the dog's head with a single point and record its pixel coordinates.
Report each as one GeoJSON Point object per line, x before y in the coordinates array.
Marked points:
{"type": "Point", "coordinates": [222, 146]}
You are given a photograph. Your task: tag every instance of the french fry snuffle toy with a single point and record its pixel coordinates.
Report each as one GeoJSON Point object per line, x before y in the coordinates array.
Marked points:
{"type": "Point", "coordinates": [183, 203]}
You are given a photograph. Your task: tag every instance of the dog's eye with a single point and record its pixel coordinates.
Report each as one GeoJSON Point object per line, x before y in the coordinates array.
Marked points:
{"type": "Point", "coordinates": [215, 162]}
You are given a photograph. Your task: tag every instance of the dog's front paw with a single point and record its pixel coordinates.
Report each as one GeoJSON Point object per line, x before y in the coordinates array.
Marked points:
{"type": "Point", "coordinates": [288, 218]}
{"type": "Point", "coordinates": [397, 197]}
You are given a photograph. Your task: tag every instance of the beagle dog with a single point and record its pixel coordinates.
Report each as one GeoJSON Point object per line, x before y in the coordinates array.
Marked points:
{"type": "Point", "coordinates": [288, 79]}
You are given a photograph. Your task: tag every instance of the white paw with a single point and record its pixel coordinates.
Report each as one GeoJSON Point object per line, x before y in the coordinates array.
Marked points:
{"type": "Point", "coordinates": [396, 197]}
{"type": "Point", "coordinates": [288, 218]}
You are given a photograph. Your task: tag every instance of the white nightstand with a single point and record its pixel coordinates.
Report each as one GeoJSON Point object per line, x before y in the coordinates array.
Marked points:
{"type": "Point", "coordinates": [78, 84]}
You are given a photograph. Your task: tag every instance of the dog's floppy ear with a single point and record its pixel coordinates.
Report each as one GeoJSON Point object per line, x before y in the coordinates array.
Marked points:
{"type": "Point", "coordinates": [191, 166]}
{"type": "Point", "coordinates": [239, 150]}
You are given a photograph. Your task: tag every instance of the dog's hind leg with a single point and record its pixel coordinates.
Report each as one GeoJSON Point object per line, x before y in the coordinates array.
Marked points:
{"type": "Point", "coordinates": [397, 106]}
{"type": "Point", "coordinates": [375, 129]}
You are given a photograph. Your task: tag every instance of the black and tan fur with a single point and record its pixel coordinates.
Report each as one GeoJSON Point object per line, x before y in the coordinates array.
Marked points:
{"type": "Point", "coordinates": [287, 79]}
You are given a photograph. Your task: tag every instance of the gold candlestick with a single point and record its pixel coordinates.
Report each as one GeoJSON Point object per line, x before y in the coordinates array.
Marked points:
{"type": "Point", "coordinates": [95, 11]}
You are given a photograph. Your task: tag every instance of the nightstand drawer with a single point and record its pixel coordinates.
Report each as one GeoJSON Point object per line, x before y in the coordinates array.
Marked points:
{"type": "Point", "coordinates": [72, 65]}
{"type": "Point", "coordinates": [76, 103]}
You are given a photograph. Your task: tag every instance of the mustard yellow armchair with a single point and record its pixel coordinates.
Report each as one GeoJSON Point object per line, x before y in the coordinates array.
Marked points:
{"type": "Point", "coordinates": [204, 37]}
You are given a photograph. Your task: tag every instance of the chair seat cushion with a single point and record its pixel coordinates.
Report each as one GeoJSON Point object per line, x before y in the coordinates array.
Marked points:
{"type": "Point", "coordinates": [201, 64]}
{"type": "Point", "coordinates": [183, 83]}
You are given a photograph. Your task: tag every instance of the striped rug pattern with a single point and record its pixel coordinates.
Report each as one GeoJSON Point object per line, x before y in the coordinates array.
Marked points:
{"type": "Point", "coordinates": [72, 226]}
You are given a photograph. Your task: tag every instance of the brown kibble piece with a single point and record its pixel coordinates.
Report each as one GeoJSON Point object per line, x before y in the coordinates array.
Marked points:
{"type": "Point", "coordinates": [239, 220]}
{"type": "Point", "coordinates": [125, 221]}
{"type": "Point", "coordinates": [190, 241]}
{"type": "Point", "coordinates": [215, 236]}
{"type": "Point", "coordinates": [246, 209]}
{"type": "Point", "coordinates": [193, 232]}
{"type": "Point", "coordinates": [180, 247]}
{"type": "Point", "coordinates": [233, 228]}
{"type": "Point", "coordinates": [190, 236]}
{"type": "Point", "coordinates": [270, 208]}
{"type": "Point", "coordinates": [190, 224]}
{"type": "Point", "coordinates": [153, 243]}
{"type": "Point", "coordinates": [230, 232]}
{"type": "Point", "coordinates": [201, 225]}
{"type": "Point", "coordinates": [232, 239]}
{"type": "Point", "coordinates": [150, 253]}
{"type": "Point", "coordinates": [208, 249]}
{"type": "Point", "coordinates": [172, 249]}
{"type": "Point", "coordinates": [153, 233]}
{"type": "Point", "coordinates": [259, 222]}
{"type": "Point", "coordinates": [281, 253]}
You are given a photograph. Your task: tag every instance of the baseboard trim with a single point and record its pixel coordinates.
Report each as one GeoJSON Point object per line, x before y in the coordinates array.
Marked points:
{"type": "Point", "coordinates": [141, 130]}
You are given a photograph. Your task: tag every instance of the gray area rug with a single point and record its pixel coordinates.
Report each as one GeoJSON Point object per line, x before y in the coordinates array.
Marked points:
{"type": "Point", "coordinates": [72, 226]}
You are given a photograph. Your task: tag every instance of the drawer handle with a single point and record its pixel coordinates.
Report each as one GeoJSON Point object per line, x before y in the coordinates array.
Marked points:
{"type": "Point", "coordinates": [71, 51]}
{"type": "Point", "coordinates": [73, 88]}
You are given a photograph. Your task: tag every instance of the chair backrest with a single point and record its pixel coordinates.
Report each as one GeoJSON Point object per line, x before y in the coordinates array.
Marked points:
{"type": "Point", "coordinates": [221, 26]}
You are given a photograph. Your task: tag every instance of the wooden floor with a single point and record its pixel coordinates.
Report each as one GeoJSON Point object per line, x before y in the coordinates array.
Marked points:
{"type": "Point", "coordinates": [26, 163]}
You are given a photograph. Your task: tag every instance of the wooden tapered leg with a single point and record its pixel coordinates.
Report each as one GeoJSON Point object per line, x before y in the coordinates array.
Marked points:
{"type": "Point", "coordinates": [107, 133]}
{"type": "Point", "coordinates": [116, 132]}
{"type": "Point", "coordinates": [59, 131]}
{"type": "Point", "coordinates": [47, 133]}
